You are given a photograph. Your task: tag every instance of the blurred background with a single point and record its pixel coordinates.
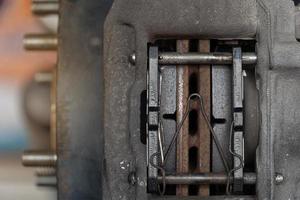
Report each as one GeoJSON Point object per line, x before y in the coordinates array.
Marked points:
{"type": "Point", "coordinates": [20, 126]}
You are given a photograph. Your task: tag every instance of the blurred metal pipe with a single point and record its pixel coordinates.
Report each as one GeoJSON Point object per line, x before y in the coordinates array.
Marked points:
{"type": "Point", "coordinates": [44, 42]}
{"type": "Point", "coordinates": [39, 159]}
{"type": "Point", "coordinates": [46, 182]}
{"type": "Point", "coordinates": [43, 77]}
{"type": "Point", "coordinates": [45, 7]}
{"type": "Point", "coordinates": [45, 172]}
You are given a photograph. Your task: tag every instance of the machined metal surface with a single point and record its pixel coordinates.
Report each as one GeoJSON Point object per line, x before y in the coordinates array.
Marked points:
{"type": "Point", "coordinates": [206, 178]}
{"type": "Point", "coordinates": [39, 159]}
{"type": "Point", "coordinates": [173, 58]}
{"type": "Point", "coordinates": [40, 42]}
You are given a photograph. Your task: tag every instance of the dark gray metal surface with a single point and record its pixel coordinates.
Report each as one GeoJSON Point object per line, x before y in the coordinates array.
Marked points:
{"type": "Point", "coordinates": [80, 99]}
{"type": "Point", "coordinates": [122, 125]}
{"type": "Point", "coordinates": [278, 84]}
{"type": "Point", "coordinates": [238, 119]}
{"type": "Point", "coordinates": [237, 81]}
{"type": "Point", "coordinates": [285, 137]}
{"type": "Point", "coordinates": [169, 19]}
{"type": "Point", "coordinates": [278, 23]}
{"type": "Point", "coordinates": [167, 111]}
{"type": "Point", "coordinates": [153, 124]}
{"type": "Point", "coordinates": [251, 117]}
{"type": "Point", "coordinates": [222, 112]}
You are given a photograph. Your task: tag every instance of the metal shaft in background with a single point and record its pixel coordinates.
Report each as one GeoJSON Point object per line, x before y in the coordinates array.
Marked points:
{"type": "Point", "coordinates": [206, 178]}
{"type": "Point", "coordinates": [44, 7]}
{"type": "Point", "coordinates": [39, 159]}
{"type": "Point", "coordinates": [43, 42]}
{"type": "Point", "coordinates": [177, 58]}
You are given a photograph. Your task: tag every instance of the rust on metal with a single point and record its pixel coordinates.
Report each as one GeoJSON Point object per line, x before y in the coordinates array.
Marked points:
{"type": "Point", "coordinates": [204, 133]}
{"type": "Point", "coordinates": [195, 134]}
{"type": "Point", "coordinates": [182, 162]}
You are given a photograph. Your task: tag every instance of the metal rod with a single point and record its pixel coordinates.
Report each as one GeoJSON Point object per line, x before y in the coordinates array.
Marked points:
{"type": "Point", "coordinates": [205, 178]}
{"type": "Point", "coordinates": [43, 77]}
{"type": "Point", "coordinates": [174, 58]}
{"type": "Point", "coordinates": [45, 7]}
{"type": "Point", "coordinates": [39, 159]}
{"type": "Point", "coordinates": [46, 181]}
{"type": "Point", "coordinates": [45, 172]}
{"type": "Point", "coordinates": [40, 42]}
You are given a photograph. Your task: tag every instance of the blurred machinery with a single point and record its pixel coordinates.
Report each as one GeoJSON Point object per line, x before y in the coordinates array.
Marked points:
{"type": "Point", "coordinates": [40, 95]}
{"type": "Point", "coordinates": [170, 99]}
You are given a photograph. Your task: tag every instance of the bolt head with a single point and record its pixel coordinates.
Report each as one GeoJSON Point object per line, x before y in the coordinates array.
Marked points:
{"type": "Point", "coordinates": [132, 58]}
{"type": "Point", "coordinates": [279, 178]}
